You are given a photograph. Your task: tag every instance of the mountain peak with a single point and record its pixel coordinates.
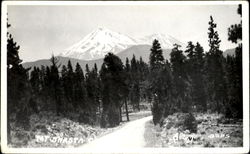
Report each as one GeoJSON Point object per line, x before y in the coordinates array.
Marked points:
{"type": "Point", "coordinates": [101, 28]}
{"type": "Point", "coordinates": [98, 43]}
{"type": "Point", "coordinates": [165, 40]}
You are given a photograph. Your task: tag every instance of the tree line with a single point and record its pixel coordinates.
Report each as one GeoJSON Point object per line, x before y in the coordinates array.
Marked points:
{"type": "Point", "coordinates": [191, 81]}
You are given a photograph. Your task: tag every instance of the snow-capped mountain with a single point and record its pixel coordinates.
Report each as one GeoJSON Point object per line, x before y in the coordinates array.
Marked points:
{"type": "Point", "coordinates": [166, 41]}
{"type": "Point", "coordinates": [97, 44]}
{"type": "Point", "coordinates": [101, 41]}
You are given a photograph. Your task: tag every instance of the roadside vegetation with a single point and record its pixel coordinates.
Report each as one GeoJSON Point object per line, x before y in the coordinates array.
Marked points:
{"type": "Point", "coordinates": [49, 130]}
{"type": "Point", "coordinates": [213, 130]}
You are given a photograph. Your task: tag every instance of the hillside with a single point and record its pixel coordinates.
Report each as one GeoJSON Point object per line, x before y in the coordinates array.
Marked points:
{"type": "Point", "coordinates": [64, 61]}
{"type": "Point", "coordinates": [140, 51]}
{"type": "Point", "coordinates": [137, 50]}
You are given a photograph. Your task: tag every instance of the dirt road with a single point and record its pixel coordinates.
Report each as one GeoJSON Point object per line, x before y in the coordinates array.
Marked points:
{"type": "Point", "coordinates": [129, 136]}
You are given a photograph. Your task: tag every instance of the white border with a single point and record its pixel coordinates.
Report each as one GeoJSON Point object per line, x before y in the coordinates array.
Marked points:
{"type": "Point", "coordinates": [245, 42]}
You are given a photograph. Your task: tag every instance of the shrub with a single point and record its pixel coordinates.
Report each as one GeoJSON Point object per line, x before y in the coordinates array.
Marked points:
{"type": "Point", "coordinates": [186, 121]}
{"type": "Point", "coordinates": [103, 122]}
{"type": "Point", "coordinates": [157, 113]}
{"type": "Point", "coordinates": [208, 144]}
{"type": "Point", "coordinates": [190, 123]}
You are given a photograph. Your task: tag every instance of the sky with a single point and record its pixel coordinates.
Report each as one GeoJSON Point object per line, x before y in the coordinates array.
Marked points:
{"type": "Point", "coordinates": [43, 30]}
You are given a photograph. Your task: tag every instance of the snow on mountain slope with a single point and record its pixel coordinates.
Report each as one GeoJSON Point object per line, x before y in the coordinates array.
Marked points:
{"type": "Point", "coordinates": [97, 44]}
{"type": "Point", "coordinates": [101, 41]}
{"type": "Point", "coordinates": [166, 41]}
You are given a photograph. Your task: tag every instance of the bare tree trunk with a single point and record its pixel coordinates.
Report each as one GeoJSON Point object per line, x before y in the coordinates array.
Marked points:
{"type": "Point", "coordinates": [8, 128]}
{"type": "Point", "coordinates": [126, 107]}
{"type": "Point", "coordinates": [138, 105]}
{"type": "Point", "coordinates": [120, 108]}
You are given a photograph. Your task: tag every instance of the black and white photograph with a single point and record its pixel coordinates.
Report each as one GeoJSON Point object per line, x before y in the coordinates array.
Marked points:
{"type": "Point", "coordinates": [125, 77]}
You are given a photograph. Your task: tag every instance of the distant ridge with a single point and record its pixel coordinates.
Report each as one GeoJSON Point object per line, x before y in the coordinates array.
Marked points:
{"type": "Point", "coordinates": [137, 50]}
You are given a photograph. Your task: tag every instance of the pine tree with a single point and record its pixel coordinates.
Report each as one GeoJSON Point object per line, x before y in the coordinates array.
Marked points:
{"type": "Point", "coordinates": [190, 51]}
{"type": "Point", "coordinates": [87, 69]}
{"type": "Point", "coordinates": [156, 61]}
{"type": "Point", "coordinates": [80, 91]}
{"type": "Point", "coordinates": [96, 85]}
{"type": "Point", "coordinates": [93, 92]}
{"type": "Point", "coordinates": [17, 87]}
{"type": "Point", "coordinates": [156, 58]}
{"type": "Point", "coordinates": [55, 83]}
{"type": "Point", "coordinates": [215, 73]}
{"type": "Point", "coordinates": [42, 78]}
{"type": "Point", "coordinates": [70, 84]}
{"type": "Point", "coordinates": [80, 94]}
{"type": "Point", "coordinates": [127, 87]}
{"type": "Point", "coordinates": [160, 83]}
{"type": "Point", "coordinates": [191, 71]}
{"type": "Point", "coordinates": [99, 91]}
{"type": "Point", "coordinates": [143, 79]}
{"type": "Point", "coordinates": [135, 89]}
{"type": "Point", "coordinates": [235, 31]}
{"type": "Point", "coordinates": [180, 79]}
{"type": "Point", "coordinates": [234, 72]}
{"type": "Point", "coordinates": [200, 97]}
{"type": "Point", "coordinates": [195, 71]}
{"type": "Point", "coordinates": [48, 89]}
{"type": "Point", "coordinates": [112, 76]}
{"type": "Point", "coordinates": [66, 106]}
{"type": "Point", "coordinates": [41, 99]}
{"type": "Point", "coordinates": [35, 80]}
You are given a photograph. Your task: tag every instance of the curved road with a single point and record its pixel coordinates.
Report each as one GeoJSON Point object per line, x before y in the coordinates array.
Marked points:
{"type": "Point", "coordinates": [129, 136]}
